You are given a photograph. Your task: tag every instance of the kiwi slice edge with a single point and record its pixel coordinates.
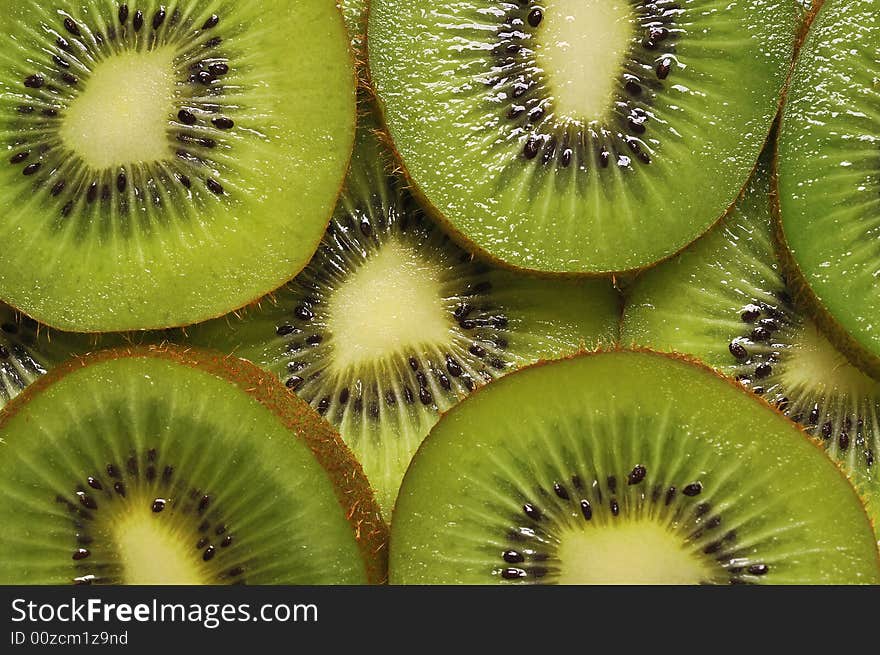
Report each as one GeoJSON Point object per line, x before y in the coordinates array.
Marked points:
{"type": "Point", "coordinates": [535, 190]}
{"type": "Point", "coordinates": [500, 521]}
{"type": "Point", "coordinates": [333, 461]}
{"type": "Point", "coordinates": [139, 243]}
{"type": "Point", "coordinates": [824, 173]}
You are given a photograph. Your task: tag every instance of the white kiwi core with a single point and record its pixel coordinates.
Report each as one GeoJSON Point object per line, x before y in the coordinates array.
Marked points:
{"type": "Point", "coordinates": [123, 112]}
{"type": "Point", "coordinates": [823, 368]}
{"type": "Point", "coordinates": [629, 553]}
{"type": "Point", "coordinates": [152, 552]}
{"type": "Point", "coordinates": [581, 46]}
{"type": "Point", "coordinates": [391, 305]}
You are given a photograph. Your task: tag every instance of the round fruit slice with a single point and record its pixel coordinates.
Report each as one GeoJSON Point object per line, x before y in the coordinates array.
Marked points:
{"type": "Point", "coordinates": [391, 323]}
{"type": "Point", "coordinates": [580, 135]}
{"type": "Point", "coordinates": [174, 467]}
{"type": "Point", "coordinates": [165, 164]}
{"type": "Point", "coordinates": [725, 301]}
{"type": "Point", "coordinates": [829, 176]}
{"type": "Point", "coordinates": [625, 467]}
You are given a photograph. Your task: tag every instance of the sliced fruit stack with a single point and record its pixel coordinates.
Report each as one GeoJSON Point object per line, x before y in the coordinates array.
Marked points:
{"type": "Point", "coordinates": [573, 292]}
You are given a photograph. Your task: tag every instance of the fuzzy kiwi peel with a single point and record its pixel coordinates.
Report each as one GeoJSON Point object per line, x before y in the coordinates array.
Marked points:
{"type": "Point", "coordinates": [157, 374]}
{"type": "Point", "coordinates": [634, 478]}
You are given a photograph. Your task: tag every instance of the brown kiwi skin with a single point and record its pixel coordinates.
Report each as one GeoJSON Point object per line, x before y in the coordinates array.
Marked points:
{"type": "Point", "coordinates": [803, 295]}
{"type": "Point", "coordinates": [697, 363]}
{"type": "Point", "coordinates": [478, 253]}
{"type": "Point", "coordinates": [353, 492]}
{"type": "Point", "coordinates": [358, 84]}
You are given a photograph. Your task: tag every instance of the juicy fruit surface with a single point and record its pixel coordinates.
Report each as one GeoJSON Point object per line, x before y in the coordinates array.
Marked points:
{"type": "Point", "coordinates": [143, 469]}
{"type": "Point", "coordinates": [165, 166]}
{"type": "Point", "coordinates": [829, 176]}
{"type": "Point", "coordinates": [726, 301]}
{"type": "Point", "coordinates": [607, 453]}
{"type": "Point", "coordinates": [391, 323]}
{"type": "Point", "coordinates": [557, 145]}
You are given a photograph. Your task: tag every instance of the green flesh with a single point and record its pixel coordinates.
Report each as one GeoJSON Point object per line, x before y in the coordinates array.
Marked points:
{"type": "Point", "coordinates": [497, 491]}
{"type": "Point", "coordinates": [156, 242]}
{"type": "Point", "coordinates": [829, 175]}
{"type": "Point", "coordinates": [448, 100]}
{"type": "Point", "coordinates": [265, 489]}
{"type": "Point", "coordinates": [710, 300]}
{"type": "Point", "coordinates": [383, 292]}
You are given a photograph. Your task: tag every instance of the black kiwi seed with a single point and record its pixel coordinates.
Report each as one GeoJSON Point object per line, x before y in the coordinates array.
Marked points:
{"type": "Point", "coordinates": [512, 573]}
{"type": "Point", "coordinates": [71, 26]}
{"type": "Point", "coordinates": [218, 69]}
{"type": "Point", "coordinates": [692, 489]}
{"type": "Point", "coordinates": [532, 512]}
{"type": "Point", "coordinates": [81, 553]}
{"type": "Point", "coordinates": [34, 81]}
{"type": "Point", "coordinates": [158, 18]}
{"type": "Point", "coordinates": [138, 20]}
{"type": "Point", "coordinates": [19, 157]}
{"type": "Point", "coordinates": [535, 17]}
{"type": "Point", "coordinates": [30, 169]}
{"type": "Point", "coordinates": [214, 186]}
{"type": "Point", "coordinates": [664, 67]}
{"type": "Point", "coordinates": [586, 510]}
{"type": "Point", "coordinates": [222, 123]}
{"type": "Point", "coordinates": [86, 500]}
{"type": "Point", "coordinates": [123, 13]}
{"type": "Point", "coordinates": [121, 182]}
{"type": "Point", "coordinates": [186, 117]}
{"type": "Point", "coordinates": [158, 505]}
{"type": "Point", "coordinates": [763, 370]}
{"type": "Point", "coordinates": [512, 557]}
{"type": "Point", "coordinates": [211, 22]}
{"type": "Point", "coordinates": [636, 475]}
{"type": "Point", "coordinates": [738, 350]}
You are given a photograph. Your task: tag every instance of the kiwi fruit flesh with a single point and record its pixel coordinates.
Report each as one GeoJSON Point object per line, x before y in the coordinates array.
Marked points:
{"type": "Point", "coordinates": [726, 300]}
{"type": "Point", "coordinates": [625, 467]}
{"type": "Point", "coordinates": [164, 163]}
{"type": "Point", "coordinates": [829, 176]}
{"type": "Point", "coordinates": [170, 466]}
{"type": "Point", "coordinates": [607, 134]}
{"type": "Point", "coordinates": [391, 323]}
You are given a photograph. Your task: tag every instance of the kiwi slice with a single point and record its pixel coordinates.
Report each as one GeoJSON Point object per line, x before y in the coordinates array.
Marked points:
{"type": "Point", "coordinates": [725, 300]}
{"type": "Point", "coordinates": [165, 163]}
{"type": "Point", "coordinates": [580, 135]}
{"type": "Point", "coordinates": [829, 177]}
{"type": "Point", "coordinates": [168, 466]}
{"type": "Point", "coordinates": [625, 467]}
{"type": "Point", "coordinates": [391, 323]}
